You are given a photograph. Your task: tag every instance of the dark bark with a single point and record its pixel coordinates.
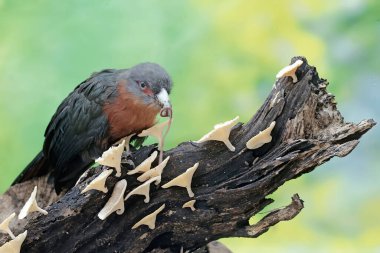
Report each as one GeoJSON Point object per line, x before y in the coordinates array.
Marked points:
{"type": "Point", "coordinates": [230, 187]}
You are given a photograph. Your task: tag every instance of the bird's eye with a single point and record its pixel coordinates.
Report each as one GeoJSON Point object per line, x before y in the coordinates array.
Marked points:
{"type": "Point", "coordinates": [143, 85]}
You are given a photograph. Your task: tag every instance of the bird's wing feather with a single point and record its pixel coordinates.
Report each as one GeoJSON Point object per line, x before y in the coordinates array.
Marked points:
{"type": "Point", "coordinates": [79, 123]}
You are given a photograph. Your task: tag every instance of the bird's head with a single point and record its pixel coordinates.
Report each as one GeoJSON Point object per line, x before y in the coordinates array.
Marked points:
{"type": "Point", "coordinates": [152, 85]}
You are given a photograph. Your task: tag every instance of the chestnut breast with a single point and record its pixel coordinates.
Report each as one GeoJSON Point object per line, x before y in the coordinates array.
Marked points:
{"type": "Point", "coordinates": [127, 114]}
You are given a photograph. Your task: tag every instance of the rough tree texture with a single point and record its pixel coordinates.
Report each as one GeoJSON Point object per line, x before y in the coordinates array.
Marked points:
{"type": "Point", "coordinates": [230, 187]}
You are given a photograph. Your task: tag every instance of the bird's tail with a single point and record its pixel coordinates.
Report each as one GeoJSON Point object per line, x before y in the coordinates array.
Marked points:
{"type": "Point", "coordinates": [38, 167]}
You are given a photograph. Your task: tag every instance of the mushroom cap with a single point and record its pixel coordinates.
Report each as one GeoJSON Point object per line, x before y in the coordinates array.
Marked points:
{"type": "Point", "coordinates": [154, 172]}
{"type": "Point", "coordinates": [31, 206]}
{"type": "Point", "coordinates": [145, 165]}
{"type": "Point", "coordinates": [290, 70]}
{"type": "Point", "coordinates": [112, 157]}
{"type": "Point", "coordinates": [14, 246]}
{"type": "Point", "coordinates": [99, 182]}
{"type": "Point", "coordinates": [143, 189]}
{"type": "Point", "coordinates": [261, 138]}
{"type": "Point", "coordinates": [184, 180]}
{"type": "Point", "coordinates": [189, 204]}
{"type": "Point", "coordinates": [4, 226]}
{"type": "Point", "coordinates": [115, 202]}
{"type": "Point", "coordinates": [221, 132]}
{"type": "Point", "coordinates": [150, 219]}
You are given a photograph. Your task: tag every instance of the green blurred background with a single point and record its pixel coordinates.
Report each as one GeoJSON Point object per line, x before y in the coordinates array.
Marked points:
{"type": "Point", "coordinates": [223, 57]}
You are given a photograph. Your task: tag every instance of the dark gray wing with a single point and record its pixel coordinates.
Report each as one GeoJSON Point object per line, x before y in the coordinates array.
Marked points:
{"type": "Point", "coordinates": [77, 131]}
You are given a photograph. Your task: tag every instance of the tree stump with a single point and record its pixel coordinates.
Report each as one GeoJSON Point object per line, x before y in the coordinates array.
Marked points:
{"type": "Point", "coordinates": [230, 187]}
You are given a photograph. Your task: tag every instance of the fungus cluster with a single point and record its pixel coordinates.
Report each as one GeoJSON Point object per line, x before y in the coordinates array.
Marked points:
{"type": "Point", "coordinates": [221, 132]}
{"type": "Point", "coordinates": [148, 176]}
{"type": "Point", "coordinates": [112, 158]}
{"type": "Point", "coordinates": [14, 245]}
{"type": "Point", "coordinates": [154, 172]}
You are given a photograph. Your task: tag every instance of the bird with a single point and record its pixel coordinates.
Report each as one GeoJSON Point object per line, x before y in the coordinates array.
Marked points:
{"type": "Point", "coordinates": [107, 106]}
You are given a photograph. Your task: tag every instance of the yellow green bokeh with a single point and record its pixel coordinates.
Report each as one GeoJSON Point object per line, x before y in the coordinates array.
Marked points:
{"type": "Point", "coordinates": [223, 57]}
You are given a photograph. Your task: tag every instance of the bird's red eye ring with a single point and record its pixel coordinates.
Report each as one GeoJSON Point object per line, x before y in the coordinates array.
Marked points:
{"type": "Point", "coordinates": [145, 88]}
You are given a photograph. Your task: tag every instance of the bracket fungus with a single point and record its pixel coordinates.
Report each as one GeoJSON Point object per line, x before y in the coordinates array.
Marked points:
{"type": "Point", "coordinates": [150, 219]}
{"type": "Point", "coordinates": [31, 206]}
{"type": "Point", "coordinates": [145, 165]}
{"type": "Point", "coordinates": [4, 226]}
{"type": "Point", "coordinates": [112, 157]}
{"type": "Point", "coordinates": [99, 183]}
{"type": "Point", "coordinates": [184, 180]}
{"type": "Point", "coordinates": [127, 140]}
{"type": "Point", "coordinates": [143, 189]}
{"type": "Point", "coordinates": [157, 131]}
{"type": "Point", "coordinates": [261, 138]}
{"type": "Point", "coordinates": [115, 202]}
{"type": "Point", "coordinates": [190, 204]}
{"type": "Point", "coordinates": [290, 71]}
{"type": "Point", "coordinates": [221, 132]}
{"type": "Point", "coordinates": [14, 246]}
{"type": "Point", "coordinates": [154, 172]}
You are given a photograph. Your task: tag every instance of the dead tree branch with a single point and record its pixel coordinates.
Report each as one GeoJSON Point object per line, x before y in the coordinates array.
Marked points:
{"type": "Point", "coordinates": [230, 187]}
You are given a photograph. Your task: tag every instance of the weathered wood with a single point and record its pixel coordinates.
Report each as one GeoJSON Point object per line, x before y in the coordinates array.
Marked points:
{"type": "Point", "coordinates": [230, 187]}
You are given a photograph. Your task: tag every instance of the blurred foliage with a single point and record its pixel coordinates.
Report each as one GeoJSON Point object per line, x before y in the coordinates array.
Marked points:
{"type": "Point", "coordinates": [223, 56]}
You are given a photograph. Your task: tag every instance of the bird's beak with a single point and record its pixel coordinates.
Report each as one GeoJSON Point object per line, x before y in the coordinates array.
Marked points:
{"type": "Point", "coordinates": [163, 99]}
